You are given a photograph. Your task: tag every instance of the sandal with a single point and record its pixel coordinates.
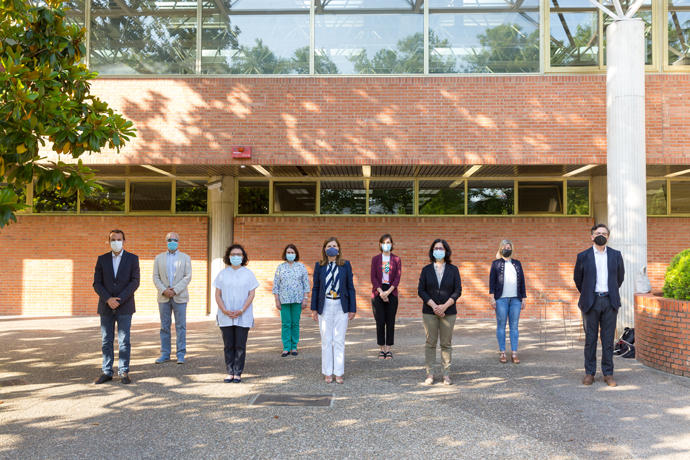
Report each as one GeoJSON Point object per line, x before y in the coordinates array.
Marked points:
{"type": "Point", "coordinates": [515, 358]}
{"type": "Point", "coordinates": [382, 354]}
{"type": "Point", "coordinates": [446, 380]}
{"type": "Point", "coordinates": [502, 357]}
{"type": "Point", "coordinates": [389, 355]}
{"type": "Point", "coordinates": [339, 379]}
{"type": "Point", "coordinates": [328, 379]}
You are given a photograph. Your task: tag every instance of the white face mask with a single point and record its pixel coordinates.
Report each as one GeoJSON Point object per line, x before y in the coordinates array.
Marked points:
{"type": "Point", "coordinates": [116, 246]}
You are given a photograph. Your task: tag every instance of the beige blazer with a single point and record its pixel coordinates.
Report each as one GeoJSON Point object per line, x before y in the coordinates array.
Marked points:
{"type": "Point", "coordinates": [183, 275]}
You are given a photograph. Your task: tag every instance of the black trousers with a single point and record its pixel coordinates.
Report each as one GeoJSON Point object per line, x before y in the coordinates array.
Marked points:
{"type": "Point", "coordinates": [600, 320]}
{"type": "Point", "coordinates": [235, 341]}
{"type": "Point", "coordinates": [384, 314]}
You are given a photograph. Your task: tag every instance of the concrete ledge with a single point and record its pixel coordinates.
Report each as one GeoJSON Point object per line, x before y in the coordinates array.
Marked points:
{"type": "Point", "coordinates": [661, 333]}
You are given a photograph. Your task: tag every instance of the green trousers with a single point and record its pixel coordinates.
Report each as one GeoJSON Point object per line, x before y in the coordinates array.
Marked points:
{"type": "Point", "coordinates": [289, 315]}
{"type": "Point", "coordinates": [438, 328]}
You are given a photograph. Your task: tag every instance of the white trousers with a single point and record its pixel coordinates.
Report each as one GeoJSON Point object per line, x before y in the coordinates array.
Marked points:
{"type": "Point", "coordinates": [333, 325]}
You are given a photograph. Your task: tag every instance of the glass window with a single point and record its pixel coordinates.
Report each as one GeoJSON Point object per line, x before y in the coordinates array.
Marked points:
{"type": "Point", "coordinates": [190, 196]}
{"type": "Point", "coordinates": [343, 197]}
{"type": "Point", "coordinates": [255, 37]}
{"type": "Point", "coordinates": [369, 37]}
{"type": "Point", "coordinates": [442, 197]}
{"type": "Point", "coordinates": [680, 197]}
{"type": "Point", "coordinates": [483, 36]}
{"type": "Point", "coordinates": [143, 37]}
{"type": "Point", "coordinates": [540, 197]}
{"type": "Point", "coordinates": [252, 197]}
{"type": "Point", "coordinates": [578, 198]}
{"type": "Point", "coordinates": [52, 201]}
{"type": "Point", "coordinates": [678, 33]}
{"type": "Point", "coordinates": [391, 197]}
{"type": "Point", "coordinates": [574, 33]}
{"type": "Point", "coordinates": [110, 197]}
{"type": "Point", "coordinates": [657, 204]}
{"type": "Point", "coordinates": [294, 197]}
{"type": "Point", "coordinates": [150, 196]}
{"type": "Point", "coordinates": [75, 12]}
{"type": "Point", "coordinates": [490, 197]}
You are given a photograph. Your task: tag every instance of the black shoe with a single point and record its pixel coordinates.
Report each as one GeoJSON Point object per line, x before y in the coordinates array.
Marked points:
{"type": "Point", "coordinates": [294, 353]}
{"type": "Point", "coordinates": [102, 379]}
{"type": "Point", "coordinates": [125, 379]}
{"type": "Point", "coordinates": [284, 354]}
{"type": "Point", "coordinates": [237, 380]}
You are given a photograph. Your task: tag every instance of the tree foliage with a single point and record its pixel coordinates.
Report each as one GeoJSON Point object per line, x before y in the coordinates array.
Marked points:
{"type": "Point", "coordinates": [505, 49]}
{"type": "Point", "coordinates": [677, 280]}
{"type": "Point", "coordinates": [45, 98]}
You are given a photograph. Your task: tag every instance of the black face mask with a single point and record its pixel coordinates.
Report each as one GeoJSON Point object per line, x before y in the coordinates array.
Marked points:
{"type": "Point", "coordinates": [600, 240]}
{"type": "Point", "coordinates": [506, 252]}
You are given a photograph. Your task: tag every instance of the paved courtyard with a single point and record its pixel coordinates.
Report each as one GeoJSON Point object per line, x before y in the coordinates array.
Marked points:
{"type": "Point", "coordinates": [538, 409]}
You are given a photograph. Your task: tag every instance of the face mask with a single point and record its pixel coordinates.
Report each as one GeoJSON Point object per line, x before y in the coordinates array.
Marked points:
{"type": "Point", "coordinates": [290, 256]}
{"type": "Point", "coordinates": [385, 247]}
{"type": "Point", "coordinates": [506, 252]}
{"type": "Point", "coordinates": [172, 246]}
{"type": "Point", "coordinates": [439, 254]}
{"type": "Point", "coordinates": [235, 260]}
{"type": "Point", "coordinates": [116, 246]}
{"type": "Point", "coordinates": [332, 252]}
{"type": "Point", "coordinates": [600, 240]}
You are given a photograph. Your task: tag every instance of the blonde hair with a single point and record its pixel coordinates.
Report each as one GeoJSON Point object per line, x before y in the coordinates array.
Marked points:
{"type": "Point", "coordinates": [500, 247]}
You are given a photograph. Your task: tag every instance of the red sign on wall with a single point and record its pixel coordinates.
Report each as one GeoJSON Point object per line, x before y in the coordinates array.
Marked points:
{"type": "Point", "coordinates": [241, 151]}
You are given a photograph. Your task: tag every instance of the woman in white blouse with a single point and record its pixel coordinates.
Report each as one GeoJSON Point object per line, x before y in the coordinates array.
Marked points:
{"type": "Point", "coordinates": [507, 284]}
{"type": "Point", "coordinates": [235, 289]}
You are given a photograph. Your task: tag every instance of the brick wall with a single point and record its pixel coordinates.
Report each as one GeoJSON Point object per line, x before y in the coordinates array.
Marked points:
{"type": "Point", "coordinates": [48, 261]}
{"type": "Point", "coordinates": [546, 246]}
{"type": "Point", "coordinates": [661, 333]}
{"type": "Point", "coordinates": [667, 236]}
{"type": "Point", "coordinates": [387, 120]}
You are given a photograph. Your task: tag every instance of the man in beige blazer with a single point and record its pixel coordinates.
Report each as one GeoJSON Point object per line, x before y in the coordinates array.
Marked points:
{"type": "Point", "coordinates": [172, 272]}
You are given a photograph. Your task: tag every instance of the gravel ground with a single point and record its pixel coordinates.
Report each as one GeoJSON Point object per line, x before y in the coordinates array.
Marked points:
{"type": "Point", "coordinates": [537, 409]}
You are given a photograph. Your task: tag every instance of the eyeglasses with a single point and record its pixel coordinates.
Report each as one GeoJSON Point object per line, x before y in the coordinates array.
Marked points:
{"type": "Point", "coordinates": [601, 234]}
{"type": "Point", "coordinates": [170, 240]}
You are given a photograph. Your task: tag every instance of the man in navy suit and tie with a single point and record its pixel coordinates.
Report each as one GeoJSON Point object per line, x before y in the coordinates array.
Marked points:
{"type": "Point", "coordinates": [115, 280]}
{"type": "Point", "coordinates": [599, 273]}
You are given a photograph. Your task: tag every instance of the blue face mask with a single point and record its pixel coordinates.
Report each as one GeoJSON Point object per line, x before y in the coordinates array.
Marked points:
{"type": "Point", "coordinates": [332, 252]}
{"type": "Point", "coordinates": [236, 260]}
{"type": "Point", "coordinates": [172, 246]}
{"type": "Point", "coordinates": [439, 254]}
{"type": "Point", "coordinates": [385, 247]}
{"type": "Point", "coordinates": [290, 256]}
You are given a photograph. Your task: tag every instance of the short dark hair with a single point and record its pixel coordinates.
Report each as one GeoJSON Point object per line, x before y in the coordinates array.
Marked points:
{"type": "Point", "coordinates": [226, 258]}
{"type": "Point", "coordinates": [384, 237]}
{"type": "Point", "coordinates": [445, 246]}
{"type": "Point", "coordinates": [294, 248]}
{"type": "Point", "coordinates": [116, 231]}
{"type": "Point", "coordinates": [596, 226]}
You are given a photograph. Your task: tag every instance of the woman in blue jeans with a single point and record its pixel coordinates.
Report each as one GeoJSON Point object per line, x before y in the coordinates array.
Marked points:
{"type": "Point", "coordinates": [507, 284]}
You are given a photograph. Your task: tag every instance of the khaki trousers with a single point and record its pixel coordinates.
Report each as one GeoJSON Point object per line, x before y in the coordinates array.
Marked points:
{"type": "Point", "coordinates": [436, 326]}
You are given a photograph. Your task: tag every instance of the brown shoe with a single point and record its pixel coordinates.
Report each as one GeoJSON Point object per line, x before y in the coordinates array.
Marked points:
{"type": "Point", "coordinates": [609, 381]}
{"type": "Point", "coordinates": [502, 357]}
{"type": "Point", "coordinates": [588, 379]}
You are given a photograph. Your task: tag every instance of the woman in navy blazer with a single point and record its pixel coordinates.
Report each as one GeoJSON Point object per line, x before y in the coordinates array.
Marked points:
{"type": "Point", "coordinates": [385, 277]}
{"type": "Point", "coordinates": [333, 304]}
{"type": "Point", "coordinates": [507, 284]}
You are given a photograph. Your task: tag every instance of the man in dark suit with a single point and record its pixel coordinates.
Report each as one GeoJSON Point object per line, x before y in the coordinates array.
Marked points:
{"type": "Point", "coordinates": [599, 273]}
{"type": "Point", "coordinates": [115, 280]}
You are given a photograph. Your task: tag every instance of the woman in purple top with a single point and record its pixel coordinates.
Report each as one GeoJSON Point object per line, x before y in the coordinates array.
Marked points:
{"type": "Point", "coordinates": [385, 277]}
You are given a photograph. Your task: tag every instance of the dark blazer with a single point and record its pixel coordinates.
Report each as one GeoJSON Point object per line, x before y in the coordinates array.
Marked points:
{"type": "Point", "coordinates": [123, 286]}
{"type": "Point", "coordinates": [585, 277]}
{"type": "Point", "coordinates": [377, 274]}
{"type": "Point", "coordinates": [348, 297]}
{"type": "Point", "coordinates": [451, 287]}
{"type": "Point", "coordinates": [496, 278]}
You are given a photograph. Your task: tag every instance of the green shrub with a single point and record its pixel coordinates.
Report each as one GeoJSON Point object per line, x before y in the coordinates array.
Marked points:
{"type": "Point", "coordinates": [677, 281]}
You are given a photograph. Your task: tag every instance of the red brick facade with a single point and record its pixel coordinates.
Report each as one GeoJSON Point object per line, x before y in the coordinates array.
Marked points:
{"type": "Point", "coordinates": [387, 120]}
{"type": "Point", "coordinates": [661, 333]}
{"type": "Point", "coordinates": [48, 261]}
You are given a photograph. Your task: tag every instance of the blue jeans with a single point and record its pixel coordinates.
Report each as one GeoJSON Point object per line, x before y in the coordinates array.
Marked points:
{"type": "Point", "coordinates": [507, 308]}
{"type": "Point", "coordinates": [124, 322]}
{"type": "Point", "coordinates": [166, 310]}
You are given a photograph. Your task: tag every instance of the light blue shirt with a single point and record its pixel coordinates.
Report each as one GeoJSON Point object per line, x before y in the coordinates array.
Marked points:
{"type": "Point", "coordinates": [171, 258]}
{"type": "Point", "coordinates": [116, 262]}
{"type": "Point", "coordinates": [290, 282]}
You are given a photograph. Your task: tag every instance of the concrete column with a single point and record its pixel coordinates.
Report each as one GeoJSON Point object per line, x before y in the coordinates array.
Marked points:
{"type": "Point", "coordinates": [626, 158]}
{"type": "Point", "coordinates": [600, 211]}
{"type": "Point", "coordinates": [221, 205]}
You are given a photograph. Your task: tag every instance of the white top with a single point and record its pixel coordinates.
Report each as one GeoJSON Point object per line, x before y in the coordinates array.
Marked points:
{"type": "Point", "coordinates": [509, 280]}
{"type": "Point", "coordinates": [439, 272]}
{"type": "Point", "coordinates": [170, 259]}
{"type": "Point", "coordinates": [116, 262]}
{"type": "Point", "coordinates": [386, 268]}
{"type": "Point", "coordinates": [235, 286]}
{"type": "Point", "coordinates": [602, 262]}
